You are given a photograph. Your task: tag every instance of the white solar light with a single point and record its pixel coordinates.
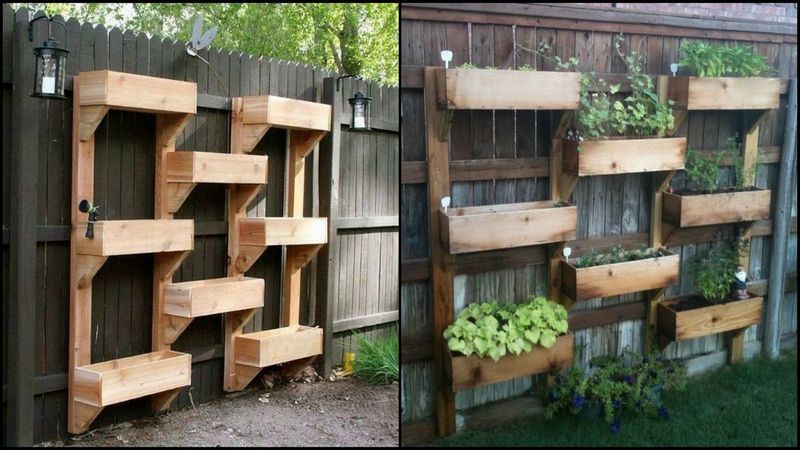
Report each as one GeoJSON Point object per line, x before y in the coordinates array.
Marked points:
{"type": "Point", "coordinates": [447, 56]}
{"type": "Point", "coordinates": [445, 203]}
{"type": "Point", "coordinates": [567, 251]}
{"type": "Point", "coordinates": [674, 68]}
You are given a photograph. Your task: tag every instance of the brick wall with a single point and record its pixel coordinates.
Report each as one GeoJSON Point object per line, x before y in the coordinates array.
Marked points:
{"type": "Point", "coordinates": [769, 12]}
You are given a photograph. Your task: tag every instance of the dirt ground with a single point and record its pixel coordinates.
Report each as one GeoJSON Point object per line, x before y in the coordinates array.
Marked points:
{"type": "Point", "coordinates": [343, 413]}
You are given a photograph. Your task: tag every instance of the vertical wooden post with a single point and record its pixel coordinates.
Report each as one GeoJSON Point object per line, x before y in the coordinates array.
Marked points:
{"type": "Point", "coordinates": [780, 227]}
{"type": "Point", "coordinates": [441, 273]}
{"type": "Point", "coordinates": [295, 173]}
{"type": "Point", "coordinates": [22, 241]}
{"type": "Point", "coordinates": [327, 269]}
{"type": "Point", "coordinates": [750, 147]}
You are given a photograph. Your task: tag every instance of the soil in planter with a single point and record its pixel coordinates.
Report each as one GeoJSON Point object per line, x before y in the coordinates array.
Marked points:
{"type": "Point", "coordinates": [658, 253]}
{"type": "Point", "coordinates": [695, 302]}
{"type": "Point", "coordinates": [687, 192]}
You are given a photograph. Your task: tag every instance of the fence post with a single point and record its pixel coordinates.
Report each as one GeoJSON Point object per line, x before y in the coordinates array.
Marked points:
{"type": "Point", "coordinates": [780, 227]}
{"type": "Point", "coordinates": [327, 268]}
{"type": "Point", "coordinates": [22, 238]}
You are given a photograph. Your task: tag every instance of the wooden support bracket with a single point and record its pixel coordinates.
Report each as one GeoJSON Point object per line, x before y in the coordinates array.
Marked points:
{"type": "Point", "coordinates": [168, 262]}
{"type": "Point", "coordinates": [651, 324]}
{"type": "Point", "coordinates": [90, 118]}
{"type": "Point", "coordinates": [88, 265]}
{"type": "Point", "coordinates": [301, 255]}
{"type": "Point", "coordinates": [161, 401]}
{"type": "Point", "coordinates": [237, 376]}
{"type": "Point", "coordinates": [177, 193]}
{"type": "Point", "coordinates": [83, 416]}
{"type": "Point", "coordinates": [173, 327]}
{"type": "Point", "coordinates": [241, 195]}
{"type": "Point", "coordinates": [248, 255]}
{"type": "Point", "coordinates": [169, 126]}
{"type": "Point", "coordinates": [302, 142]}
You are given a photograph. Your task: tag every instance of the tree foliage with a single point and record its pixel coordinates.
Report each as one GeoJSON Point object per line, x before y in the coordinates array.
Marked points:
{"type": "Point", "coordinates": [350, 38]}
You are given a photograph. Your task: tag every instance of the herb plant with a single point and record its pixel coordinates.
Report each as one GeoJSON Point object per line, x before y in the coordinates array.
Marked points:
{"type": "Point", "coordinates": [708, 60]}
{"type": "Point", "coordinates": [639, 114]}
{"type": "Point", "coordinates": [491, 329]}
{"type": "Point", "coordinates": [735, 149]}
{"type": "Point", "coordinates": [703, 172]}
{"type": "Point", "coordinates": [714, 270]}
{"type": "Point", "coordinates": [616, 255]}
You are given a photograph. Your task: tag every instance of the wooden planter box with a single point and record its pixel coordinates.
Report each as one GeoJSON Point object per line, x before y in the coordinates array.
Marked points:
{"type": "Point", "coordinates": [119, 380]}
{"type": "Point", "coordinates": [619, 278]}
{"type": "Point", "coordinates": [492, 227]}
{"type": "Point", "coordinates": [131, 92]}
{"type": "Point", "coordinates": [709, 209]}
{"type": "Point", "coordinates": [279, 345]}
{"type": "Point", "coordinates": [214, 296]}
{"type": "Point", "coordinates": [725, 93]}
{"type": "Point", "coordinates": [131, 237]}
{"type": "Point", "coordinates": [207, 167]}
{"type": "Point", "coordinates": [714, 319]}
{"type": "Point", "coordinates": [263, 231]}
{"type": "Point", "coordinates": [507, 89]}
{"type": "Point", "coordinates": [616, 156]}
{"type": "Point", "coordinates": [286, 113]}
{"type": "Point", "coordinates": [469, 372]}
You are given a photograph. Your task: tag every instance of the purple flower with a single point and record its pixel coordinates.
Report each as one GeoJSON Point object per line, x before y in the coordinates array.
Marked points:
{"type": "Point", "coordinates": [663, 412]}
{"type": "Point", "coordinates": [630, 379]}
{"type": "Point", "coordinates": [616, 425]}
{"type": "Point", "coordinates": [578, 401]}
{"type": "Point", "coordinates": [617, 404]}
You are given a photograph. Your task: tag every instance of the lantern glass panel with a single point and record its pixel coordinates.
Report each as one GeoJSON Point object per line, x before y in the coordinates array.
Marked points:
{"type": "Point", "coordinates": [48, 72]}
{"type": "Point", "coordinates": [359, 114]}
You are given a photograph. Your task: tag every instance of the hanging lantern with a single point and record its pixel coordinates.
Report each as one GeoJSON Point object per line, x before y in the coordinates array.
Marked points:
{"type": "Point", "coordinates": [359, 120]}
{"type": "Point", "coordinates": [51, 62]}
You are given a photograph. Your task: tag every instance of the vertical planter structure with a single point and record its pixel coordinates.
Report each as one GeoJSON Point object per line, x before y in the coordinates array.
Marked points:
{"type": "Point", "coordinates": [754, 97]}
{"type": "Point", "coordinates": [475, 229]}
{"type": "Point", "coordinates": [293, 344]}
{"type": "Point", "coordinates": [163, 372]}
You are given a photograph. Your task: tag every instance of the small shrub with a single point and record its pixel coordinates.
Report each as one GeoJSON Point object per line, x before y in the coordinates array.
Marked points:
{"type": "Point", "coordinates": [714, 270]}
{"type": "Point", "coordinates": [377, 360]}
{"type": "Point", "coordinates": [703, 173]}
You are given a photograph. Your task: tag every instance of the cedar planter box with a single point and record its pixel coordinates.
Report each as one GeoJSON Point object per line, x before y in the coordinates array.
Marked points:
{"type": "Point", "coordinates": [713, 319]}
{"type": "Point", "coordinates": [507, 89]}
{"type": "Point", "coordinates": [279, 345]}
{"type": "Point", "coordinates": [264, 231]}
{"type": "Point", "coordinates": [620, 278]}
{"type": "Point", "coordinates": [492, 227]}
{"type": "Point", "coordinates": [133, 92]}
{"type": "Point", "coordinates": [472, 371]}
{"type": "Point", "coordinates": [118, 380]}
{"type": "Point", "coordinates": [708, 209]}
{"type": "Point", "coordinates": [695, 93]}
{"type": "Point", "coordinates": [131, 237]}
{"type": "Point", "coordinates": [616, 156]}
{"type": "Point", "coordinates": [205, 297]}
{"type": "Point", "coordinates": [208, 167]}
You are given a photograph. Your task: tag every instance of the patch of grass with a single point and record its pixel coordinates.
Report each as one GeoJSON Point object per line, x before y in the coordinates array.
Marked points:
{"type": "Point", "coordinates": [750, 404]}
{"type": "Point", "coordinates": [377, 360]}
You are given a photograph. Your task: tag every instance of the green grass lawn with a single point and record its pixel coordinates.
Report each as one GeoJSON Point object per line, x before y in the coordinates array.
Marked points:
{"type": "Point", "coordinates": [751, 404]}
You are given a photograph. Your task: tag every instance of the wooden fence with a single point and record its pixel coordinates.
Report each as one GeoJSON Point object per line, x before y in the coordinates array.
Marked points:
{"type": "Point", "coordinates": [510, 149]}
{"type": "Point", "coordinates": [36, 216]}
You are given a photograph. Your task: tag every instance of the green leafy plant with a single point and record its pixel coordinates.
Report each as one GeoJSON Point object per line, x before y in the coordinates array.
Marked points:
{"type": "Point", "coordinates": [708, 60]}
{"type": "Point", "coordinates": [545, 51]}
{"type": "Point", "coordinates": [639, 114]}
{"type": "Point", "coordinates": [743, 173]}
{"type": "Point", "coordinates": [526, 68]}
{"type": "Point", "coordinates": [377, 360]}
{"type": "Point", "coordinates": [493, 330]}
{"type": "Point", "coordinates": [616, 255]}
{"type": "Point", "coordinates": [703, 173]}
{"type": "Point", "coordinates": [616, 383]}
{"type": "Point", "coordinates": [714, 270]}
{"type": "Point", "coordinates": [467, 66]}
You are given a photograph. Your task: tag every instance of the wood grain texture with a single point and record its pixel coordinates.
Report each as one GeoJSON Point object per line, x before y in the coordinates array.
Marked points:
{"type": "Point", "coordinates": [213, 296]}
{"type": "Point", "coordinates": [286, 113]}
{"type": "Point", "coordinates": [141, 93]}
{"type": "Point", "coordinates": [118, 380]}
{"type": "Point", "coordinates": [500, 89]}
{"type": "Point", "coordinates": [207, 167]}
{"type": "Point", "coordinates": [618, 156]}
{"type": "Point", "coordinates": [710, 209]}
{"type": "Point", "coordinates": [283, 230]}
{"type": "Point", "coordinates": [619, 278]}
{"type": "Point", "coordinates": [683, 325]}
{"type": "Point", "coordinates": [494, 227]}
{"type": "Point", "coordinates": [470, 372]}
{"type": "Point", "coordinates": [724, 93]}
{"type": "Point", "coordinates": [128, 237]}
{"type": "Point", "coordinates": [276, 346]}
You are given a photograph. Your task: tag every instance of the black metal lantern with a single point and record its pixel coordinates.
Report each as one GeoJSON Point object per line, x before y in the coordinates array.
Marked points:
{"type": "Point", "coordinates": [51, 62]}
{"type": "Point", "coordinates": [359, 121]}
